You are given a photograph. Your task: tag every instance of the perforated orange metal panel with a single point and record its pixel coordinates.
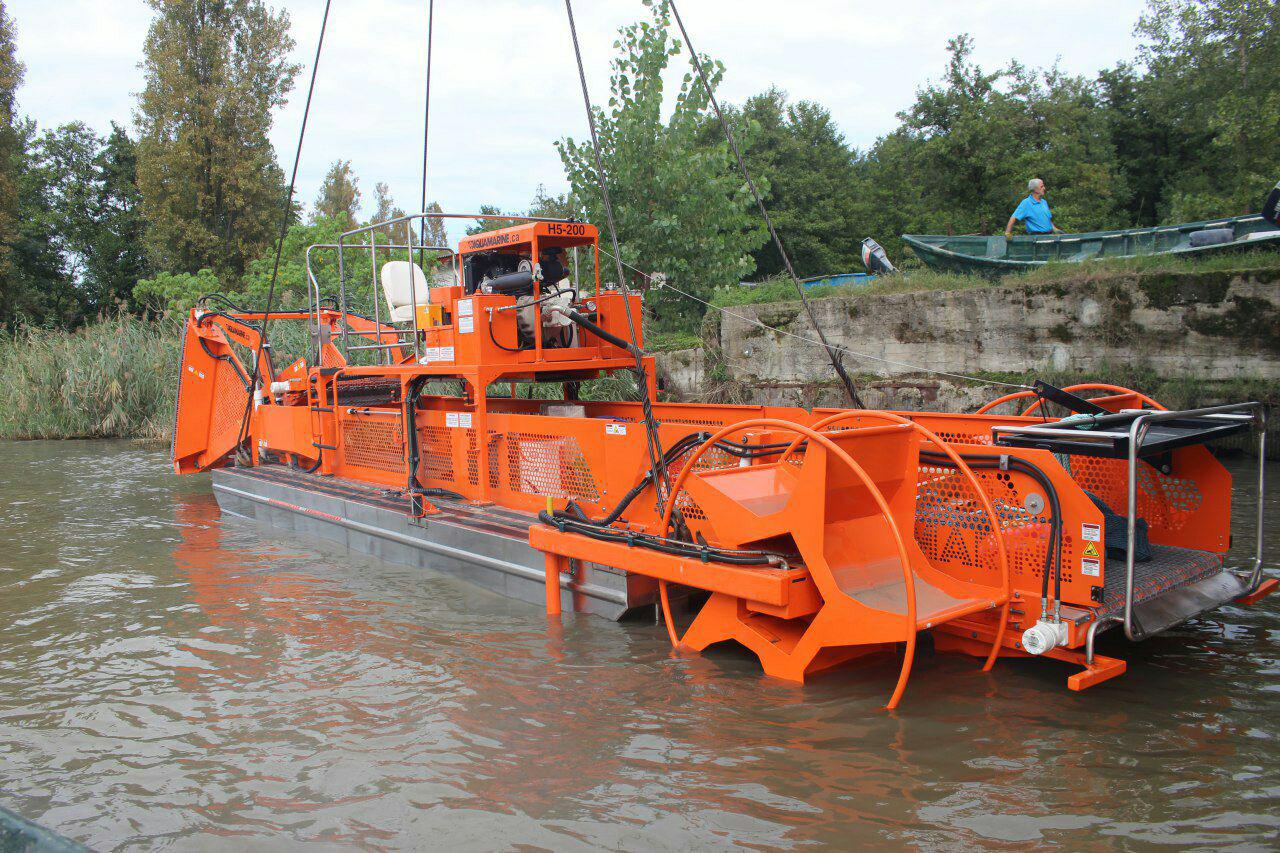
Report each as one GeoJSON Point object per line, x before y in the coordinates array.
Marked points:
{"type": "Point", "coordinates": [229, 401]}
{"type": "Point", "coordinates": [952, 530]}
{"type": "Point", "coordinates": [374, 442]}
{"type": "Point", "coordinates": [549, 465]}
{"type": "Point", "coordinates": [1164, 501]}
{"type": "Point", "coordinates": [435, 449]}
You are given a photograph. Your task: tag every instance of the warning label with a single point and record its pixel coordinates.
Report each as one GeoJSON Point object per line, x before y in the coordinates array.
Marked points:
{"type": "Point", "coordinates": [1092, 568]}
{"type": "Point", "coordinates": [1091, 550]}
{"type": "Point", "coordinates": [615, 429]}
{"type": "Point", "coordinates": [1091, 532]}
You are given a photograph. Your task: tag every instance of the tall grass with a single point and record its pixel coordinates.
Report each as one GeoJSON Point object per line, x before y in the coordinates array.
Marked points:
{"type": "Point", "coordinates": [115, 378]}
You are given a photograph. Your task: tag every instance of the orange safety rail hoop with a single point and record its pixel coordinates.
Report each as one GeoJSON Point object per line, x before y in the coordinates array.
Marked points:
{"type": "Point", "coordinates": [963, 467]}
{"type": "Point", "coordinates": [1118, 390]}
{"type": "Point", "coordinates": [831, 447]}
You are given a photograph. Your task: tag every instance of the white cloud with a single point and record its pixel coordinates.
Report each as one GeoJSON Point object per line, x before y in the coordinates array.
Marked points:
{"type": "Point", "coordinates": [504, 82]}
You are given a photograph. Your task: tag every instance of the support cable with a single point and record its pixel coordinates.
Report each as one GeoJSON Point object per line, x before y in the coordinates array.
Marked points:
{"type": "Point", "coordinates": [662, 480]}
{"type": "Point", "coordinates": [286, 217]}
{"type": "Point", "coordinates": [426, 132]}
{"type": "Point", "coordinates": [849, 387]}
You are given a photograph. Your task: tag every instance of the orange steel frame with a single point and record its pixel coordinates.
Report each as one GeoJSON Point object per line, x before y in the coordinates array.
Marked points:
{"type": "Point", "coordinates": [890, 544]}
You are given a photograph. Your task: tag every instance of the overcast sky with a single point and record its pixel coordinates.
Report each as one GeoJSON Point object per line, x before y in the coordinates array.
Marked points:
{"type": "Point", "coordinates": [505, 87]}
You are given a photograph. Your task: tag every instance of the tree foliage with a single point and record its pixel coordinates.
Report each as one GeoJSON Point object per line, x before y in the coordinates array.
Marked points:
{"type": "Point", "coordinates": [681, 207]}
{"type": "Point", "coordinates": [339, 197]}
{"type": "Point", "coordinates": [961, 159]}
{"type": "Point", "coordinates": [800, 156]}
{"type": "Point", "coordinates": [1211, 79]}
{"type": "Point", "coordinates": [211, 187]}
{"type": "Point", "coordinates": [11, 151]}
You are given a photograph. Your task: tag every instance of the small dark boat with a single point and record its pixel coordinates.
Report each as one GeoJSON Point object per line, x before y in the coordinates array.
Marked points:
{"type": "Point", "coordinates": [979, 254]}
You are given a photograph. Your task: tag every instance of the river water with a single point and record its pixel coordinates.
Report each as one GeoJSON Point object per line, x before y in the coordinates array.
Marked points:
{"type": "Point", "coordinates": [171, 678]}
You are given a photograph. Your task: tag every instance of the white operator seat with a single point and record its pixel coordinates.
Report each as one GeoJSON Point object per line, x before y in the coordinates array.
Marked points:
{"type": "Point", "coordinates": [405, 286]}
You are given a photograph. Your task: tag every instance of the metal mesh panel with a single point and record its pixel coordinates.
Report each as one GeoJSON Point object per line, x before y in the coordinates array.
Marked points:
{"type": "Point", "coordinates": [473, 459]}
{"type": "Point", "coordinates": [435, 447]}
{"type": "Point", "coordinates": [229, 401]}
{"type": "Point", "coordinates": [703, 422]}
{"type": "Point", "coordinates": [951, 527]}
{"type": "Point", "coordinates": [494, 477]}
{"type": "Point", "coordinates": [1169, 567]}
{"type": "Point", "coordinates": [981, 437]}
{"type": "Point", "coordinates": [373, 443]}
{"type": "Point", "coordinates": [713, 458]}
{"type": "Point", "coordinates": [1164, 501]}
{"type": "Point", "coordinates": [549, 465]}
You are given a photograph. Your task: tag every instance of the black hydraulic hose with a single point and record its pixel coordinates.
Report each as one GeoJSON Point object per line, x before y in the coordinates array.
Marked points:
{"type": "Point", "coordinates": [411, 435]}
{"type": "Point", "coordinates": [222, 298]}
{"type": "Point", "coordinates": [567, 523]}
{"type": "Point", "coordinates": [235, 365]}
{"type": "Point", "coordinates": [498, 344]}
{"type": "Point", "coordinates": [316, 467]}
{"type": "Point", "coordinates": [600, 332]}
{"type": "Point", "coordinates": [1053, 557]}
{"type": "Point", "coordinates": [447, 494]}
{"type": "Point", "coordinates": [669, 456]}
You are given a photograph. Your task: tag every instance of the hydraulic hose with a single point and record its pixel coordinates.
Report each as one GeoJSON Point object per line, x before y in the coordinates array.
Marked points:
{"type": "Point", "coordinates": [565, 522]}
{"type": "Point", "coordinates": [1053, 557]}
{"type": "Point", "coordinates": [600, 332]}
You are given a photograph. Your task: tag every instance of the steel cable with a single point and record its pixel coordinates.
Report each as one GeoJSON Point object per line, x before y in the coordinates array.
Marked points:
{"type": "Point", "coordinates": [849, 387]}
{"type": "Point", "coordinates": [285, 218]}
{"type": "Point", "coordinates": [653, 442]}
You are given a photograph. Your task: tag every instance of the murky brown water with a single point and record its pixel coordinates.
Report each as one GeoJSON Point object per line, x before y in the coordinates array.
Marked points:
{"type": "Point", "coordinates": [170, 678]}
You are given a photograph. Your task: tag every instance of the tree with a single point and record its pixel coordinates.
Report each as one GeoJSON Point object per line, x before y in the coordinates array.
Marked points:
{"type": "Point", "coordinates": [114, 255]}
{"type": "Point", "coordinates": [800, 157]}
{"type": "Point", "coordinates": [681, 207]}
{"type": "Point", "coordinates": [968, 145]}
{"type": "Point", "coordinates": [211, 187]}
{"type": "Point", "coordinates": [10, 163]}
{"type": "Point", "coordinates": [339, 197]}
{"type": "Point", "coordinates": [1211, 72]}
{"type": "Point", "coordinates": [437, 233]}
{"type": "Point", "coordinates": [482, 225]}
{"type": "Point", "coordinates": [38, 288]}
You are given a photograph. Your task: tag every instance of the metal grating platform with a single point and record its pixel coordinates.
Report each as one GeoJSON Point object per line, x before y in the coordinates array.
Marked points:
{"type": "Point", "coordinates": [1168, 568]}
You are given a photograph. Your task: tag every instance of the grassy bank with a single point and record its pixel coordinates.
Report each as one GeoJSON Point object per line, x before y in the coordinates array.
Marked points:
{"type": "Point", "coordinates": [923, 279]}
{"type": "Point", "coordinates": [110, 379]}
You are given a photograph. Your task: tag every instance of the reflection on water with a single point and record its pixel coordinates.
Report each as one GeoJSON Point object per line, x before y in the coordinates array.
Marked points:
{"type": "Point", "coordinates": [169, 676]}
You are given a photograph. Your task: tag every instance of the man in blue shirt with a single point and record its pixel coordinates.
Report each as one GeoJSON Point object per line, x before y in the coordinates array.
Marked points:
{"type": "Point", "coordinates": [1033, 212]}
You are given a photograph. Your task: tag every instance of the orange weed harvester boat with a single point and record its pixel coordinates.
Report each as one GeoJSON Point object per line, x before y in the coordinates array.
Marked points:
{"type": "Point", "coordinates": [810, 538]}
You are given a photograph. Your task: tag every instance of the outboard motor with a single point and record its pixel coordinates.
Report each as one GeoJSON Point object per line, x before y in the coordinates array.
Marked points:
{"type": "Point", "coordinates": [875, 259]}
{"type": "Point", "coordinates": [1271, 207]}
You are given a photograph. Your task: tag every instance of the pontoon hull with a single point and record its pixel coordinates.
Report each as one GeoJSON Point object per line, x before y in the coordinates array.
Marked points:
{"type": "Point", "coordinates": [486, 546]}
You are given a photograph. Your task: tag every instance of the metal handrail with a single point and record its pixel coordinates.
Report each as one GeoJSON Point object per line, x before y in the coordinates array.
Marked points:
{"type": "Point", "coordinates": [1137, 432]}
{"type": "Point", "coordinates": [406, 220]}
{"type": "Point", "coordinates": [313, 291]}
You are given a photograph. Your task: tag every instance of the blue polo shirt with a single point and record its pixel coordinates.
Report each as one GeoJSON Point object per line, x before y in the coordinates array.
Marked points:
{"type": "Point", "coordinates": [1035, 215]}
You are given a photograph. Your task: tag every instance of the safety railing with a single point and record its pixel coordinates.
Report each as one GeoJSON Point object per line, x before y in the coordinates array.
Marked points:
{"type": "Point", "coordinates": [314, 298]}
{"type": "Point", "coordinates": [1134, 436]}
{"type": "Point", "coordinates": [1137, 432]}
{"type": "Point", "coordinates": [408, 246]}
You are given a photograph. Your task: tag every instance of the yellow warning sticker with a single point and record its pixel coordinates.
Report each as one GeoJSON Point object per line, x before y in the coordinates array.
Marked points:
{"type": "Point", "coordinates": [1090, 550]}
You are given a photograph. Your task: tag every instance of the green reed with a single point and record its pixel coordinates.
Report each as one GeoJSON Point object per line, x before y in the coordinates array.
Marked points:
{"type": "Point", "coordinates": [113, 378]}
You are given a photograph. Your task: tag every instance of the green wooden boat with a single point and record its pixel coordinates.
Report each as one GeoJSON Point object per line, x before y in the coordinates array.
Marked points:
{"type": "Point", "coordinates": [997, 255]}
